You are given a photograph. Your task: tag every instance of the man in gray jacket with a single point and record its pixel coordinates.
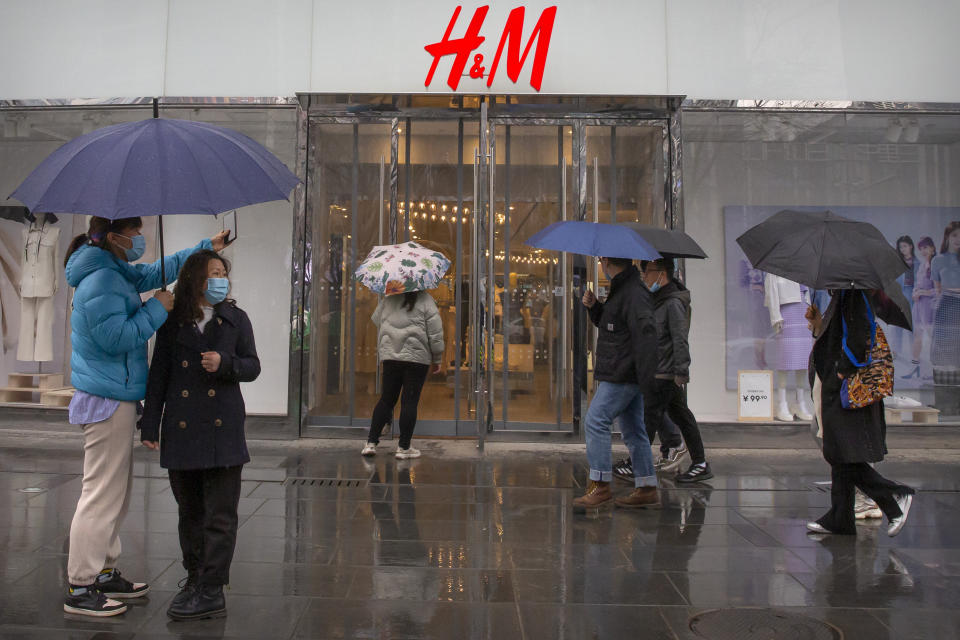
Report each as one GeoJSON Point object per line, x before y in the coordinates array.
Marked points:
{"type": "Point", "coordinates": [671, 302]}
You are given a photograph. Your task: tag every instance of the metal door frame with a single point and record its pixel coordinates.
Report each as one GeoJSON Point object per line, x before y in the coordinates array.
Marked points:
{"type": "Point", "coordinates": [497, 112]}
{"type": "Point", "coordinates": [506, 429]}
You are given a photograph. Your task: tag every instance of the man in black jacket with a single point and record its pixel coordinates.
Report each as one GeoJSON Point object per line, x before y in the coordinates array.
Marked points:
{"type": "Point", "coordinates": [625, 367]}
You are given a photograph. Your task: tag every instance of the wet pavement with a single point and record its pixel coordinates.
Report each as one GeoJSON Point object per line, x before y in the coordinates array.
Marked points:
{"type": "Point", "coordinates": [462, 545]}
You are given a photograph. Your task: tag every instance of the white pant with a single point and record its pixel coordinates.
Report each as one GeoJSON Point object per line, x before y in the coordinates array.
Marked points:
{"type": "Point", "coordinates": [36, 330]}
{"type": "Point", "coordinates": [104, 496]}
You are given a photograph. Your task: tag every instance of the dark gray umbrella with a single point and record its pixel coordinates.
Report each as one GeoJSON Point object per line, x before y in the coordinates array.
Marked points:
{"type": "Point", "coordinates": [892, 306]}
{"type": "Point", "coordinates": [670, 243]}
{"type": "Point", "coordinates": [823, 251]}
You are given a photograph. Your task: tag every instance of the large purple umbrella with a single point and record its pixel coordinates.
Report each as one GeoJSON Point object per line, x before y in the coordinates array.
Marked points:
{"type": "Point", "coordinates": [156, 167]}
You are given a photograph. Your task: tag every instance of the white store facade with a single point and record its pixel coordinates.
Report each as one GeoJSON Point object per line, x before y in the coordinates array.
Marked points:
{"type": "Point", "coordinates": [698, 115]}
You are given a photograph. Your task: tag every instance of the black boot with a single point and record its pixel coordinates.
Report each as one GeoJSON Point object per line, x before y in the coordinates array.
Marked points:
{"type": "Point", "coordinates": [206, 601]}
{"type": "Point", "coordinates": [187, 586]}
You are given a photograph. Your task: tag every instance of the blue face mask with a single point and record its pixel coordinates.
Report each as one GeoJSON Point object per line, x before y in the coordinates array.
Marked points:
{"type": "Point", "coordinates": [137, 250]}
{"type": "Point", "coordinates": [654, 287]}
{"type": "Point", "coordinates": [216, 291]}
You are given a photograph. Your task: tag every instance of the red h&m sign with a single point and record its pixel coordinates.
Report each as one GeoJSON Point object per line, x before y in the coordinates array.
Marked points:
{"type": "Point", "coordinates": [512, 37]}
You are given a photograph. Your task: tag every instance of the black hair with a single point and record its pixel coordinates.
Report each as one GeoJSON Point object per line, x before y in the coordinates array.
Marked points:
{"type": "Point", "coordinates": [191, 284]}
{"type": "Point", "coordinates": [96, 234]}
{"type": "Point", "coordinates": [409, 300]}
{"type": "Point", "coordinates": [664, 264]}
{"type": "Point", "coordinates": [908, 241]}
{"type": "Point", "coordinates": [622, 263]}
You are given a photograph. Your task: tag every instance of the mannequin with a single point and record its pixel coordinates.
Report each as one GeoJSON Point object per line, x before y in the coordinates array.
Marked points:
{"type": "Point", "coordinates": [38, 285]}
{"type": "Point", "coordinates": [787, 302]}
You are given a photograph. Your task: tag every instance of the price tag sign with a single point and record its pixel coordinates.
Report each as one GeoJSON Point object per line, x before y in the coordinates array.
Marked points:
{"type": "Point", "coordinates": [755, 395]}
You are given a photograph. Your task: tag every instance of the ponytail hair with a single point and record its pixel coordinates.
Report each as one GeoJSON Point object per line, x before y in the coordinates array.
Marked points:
{"type": "Point", "coordinates": [409, 300]}
{"type": "Point", "coordinates": [96, 234]}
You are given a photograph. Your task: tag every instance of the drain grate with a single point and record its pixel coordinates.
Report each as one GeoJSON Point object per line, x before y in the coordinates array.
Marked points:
{"type": "Point", "coordinates": [334, 483]}
{"type": "Point", "coordinates": [760, 624]}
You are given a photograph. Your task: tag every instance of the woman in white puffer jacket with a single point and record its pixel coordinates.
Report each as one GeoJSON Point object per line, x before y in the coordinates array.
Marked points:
{"type": "Point", "coordinates": [409, 339]}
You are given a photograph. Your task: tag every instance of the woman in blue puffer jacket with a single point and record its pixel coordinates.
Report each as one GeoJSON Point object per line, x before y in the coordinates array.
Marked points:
{"type": "Point", "coordinates": [110, 330]}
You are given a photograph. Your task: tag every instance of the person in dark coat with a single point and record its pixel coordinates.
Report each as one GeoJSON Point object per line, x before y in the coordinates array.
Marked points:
{"type": "Point", "coordinates": [195, 409]}
{"type": "Point", "coordinates": [625, 367]}
{"type": "Point", "coordinates": [852, 438]}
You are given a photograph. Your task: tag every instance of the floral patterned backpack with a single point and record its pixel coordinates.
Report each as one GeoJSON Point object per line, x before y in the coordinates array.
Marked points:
{"type": "Point", "coordinates": [873, 380]}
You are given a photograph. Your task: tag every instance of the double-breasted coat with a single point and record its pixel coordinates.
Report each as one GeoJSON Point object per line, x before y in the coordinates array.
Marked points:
{"type": "Point", "coordinates": [198, 415]}
{"type": "Point", "coordinates": [849, 435]}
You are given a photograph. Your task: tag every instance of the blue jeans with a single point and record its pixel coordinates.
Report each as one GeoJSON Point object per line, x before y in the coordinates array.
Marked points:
{"type": "Point", "coordinates": [623, 401]}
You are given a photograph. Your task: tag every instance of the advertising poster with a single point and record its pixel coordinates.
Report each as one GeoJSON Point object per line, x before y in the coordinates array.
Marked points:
{"type": "Point", "coordinates": [929, 240]}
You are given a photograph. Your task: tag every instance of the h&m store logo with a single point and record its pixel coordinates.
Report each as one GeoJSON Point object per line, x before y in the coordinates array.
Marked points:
{"type": "Point", "coordinates": [511, 37]}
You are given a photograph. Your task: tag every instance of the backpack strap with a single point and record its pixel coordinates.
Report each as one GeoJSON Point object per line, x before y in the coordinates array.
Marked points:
{"type": "Point", "coordinates": [873, 333]}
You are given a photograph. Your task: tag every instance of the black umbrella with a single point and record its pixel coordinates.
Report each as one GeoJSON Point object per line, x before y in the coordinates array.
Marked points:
{"type": "Point", "coordinates": [670, 243]}
{"type": "Point", "coordinates": [892, 306]}
{"type": "Point", "coordinates": [823, 251]}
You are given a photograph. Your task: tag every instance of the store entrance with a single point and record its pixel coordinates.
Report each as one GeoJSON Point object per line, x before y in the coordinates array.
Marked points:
{"type": "Point", "coordinates": [473, 185]}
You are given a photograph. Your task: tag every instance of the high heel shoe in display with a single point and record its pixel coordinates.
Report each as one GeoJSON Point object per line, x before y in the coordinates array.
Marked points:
{"type": "Point", "coordinates": [913, 374]}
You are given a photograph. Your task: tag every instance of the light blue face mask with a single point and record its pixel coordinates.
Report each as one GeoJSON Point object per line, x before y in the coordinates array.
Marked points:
{"type": "Point", "coordinates": [654, 287]}
{"type": "Point", "coordinates": [136, 252]}
{"type": "Point", "coordinates": [216, 291]}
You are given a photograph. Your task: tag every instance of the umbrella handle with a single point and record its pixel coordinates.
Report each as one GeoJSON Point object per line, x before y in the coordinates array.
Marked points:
{"type": "Point", "coordinates": [163, 266]}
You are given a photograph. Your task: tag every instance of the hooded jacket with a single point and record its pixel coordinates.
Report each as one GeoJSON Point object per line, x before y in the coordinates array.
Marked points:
{"type": "Point", "coordinates": [409, 336]}
{"type": "Point", "coordinates": [627, 333]}
{"type": "Point", "coordinates": [110, 325]}
{"type": "Point", "coordinates": [672, 313]}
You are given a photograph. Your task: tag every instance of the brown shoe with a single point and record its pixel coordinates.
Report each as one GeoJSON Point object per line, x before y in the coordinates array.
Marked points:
{"type": "Point", "coordinates": [597, 495]}
{"type": "Point", "coordinates": [640, 498]}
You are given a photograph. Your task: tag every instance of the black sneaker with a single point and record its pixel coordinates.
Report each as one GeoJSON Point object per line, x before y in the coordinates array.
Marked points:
{"type": "Point", "coordinates": [696, 473]}
{"type": "Point", "coordinates": [113, 585]}
{"type": "Point", "coordinates": [206, 601]}
{"type": "Point", "coordinates": [187, 586]}
{"type": "Point", "coordinates": [623, 469]}
{"type": "Point", "coordinates": [90, 601]}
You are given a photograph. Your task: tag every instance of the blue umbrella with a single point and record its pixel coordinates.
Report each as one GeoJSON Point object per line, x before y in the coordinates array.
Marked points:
{"type": "Point", "coordinates": [156, 167]}
{"type": "Point", "coordinates": [594, 239]}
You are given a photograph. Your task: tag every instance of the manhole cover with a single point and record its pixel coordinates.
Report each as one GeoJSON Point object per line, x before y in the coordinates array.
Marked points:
{"type": "Point", "coordinates": [760, 624]}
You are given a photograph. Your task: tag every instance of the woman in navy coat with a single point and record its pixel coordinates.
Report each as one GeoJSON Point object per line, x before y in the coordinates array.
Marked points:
{"type": "Point", "coordinates": [194, 404]}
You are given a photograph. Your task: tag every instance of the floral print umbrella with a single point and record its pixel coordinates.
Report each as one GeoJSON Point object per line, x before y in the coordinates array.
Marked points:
{"type": "Point", "coordinates": [399, 268]}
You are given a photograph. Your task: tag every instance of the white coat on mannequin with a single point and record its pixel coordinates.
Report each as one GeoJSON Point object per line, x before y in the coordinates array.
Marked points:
{"type": "Point", "coordinates": [38, 285]}
{"type": "Point", "coordinates": [782, 296]}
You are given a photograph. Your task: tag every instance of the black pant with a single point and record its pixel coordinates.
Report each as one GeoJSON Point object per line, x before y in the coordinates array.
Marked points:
{"type": "Point", "coordinates": [398, 376]}
{"type": "Point", "coordinates": [207, 501]}
{"type": "Point", "coordinates": [671, 399]}
{"type": "Point", "coordinates": [845, 478]}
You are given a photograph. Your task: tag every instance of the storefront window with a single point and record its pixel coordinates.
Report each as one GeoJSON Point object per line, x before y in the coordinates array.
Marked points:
{"type": "Point", "coordinates": [897, 171]}
{"type": "Point", "coordinates": [260, 280]}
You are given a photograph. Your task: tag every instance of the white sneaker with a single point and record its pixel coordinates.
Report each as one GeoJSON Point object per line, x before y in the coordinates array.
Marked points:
{"type": "Point", "coordinates": [674, 458]}
{"type": "Point", "coordinates": [404, 454]}
{"type": "Point", "coordinates": [369, 449]}
{"type": "Point", "coordinates": [865, 508]}
{"type": "Point", "coordinates": [896, 525]}
{"type": "Point", "coordinates": [816, 527]}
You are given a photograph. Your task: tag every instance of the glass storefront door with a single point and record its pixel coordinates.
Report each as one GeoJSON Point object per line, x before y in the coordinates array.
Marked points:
{"type": "Point", "coordinates": [474, 188]}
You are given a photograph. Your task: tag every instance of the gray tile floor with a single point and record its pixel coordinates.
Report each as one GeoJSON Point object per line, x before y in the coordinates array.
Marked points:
{"type": "Point", "coordinates": [461, 545]}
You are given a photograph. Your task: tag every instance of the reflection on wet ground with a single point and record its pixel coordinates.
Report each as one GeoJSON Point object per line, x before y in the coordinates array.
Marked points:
{"type": "Point", "coordinates": [461, 545]}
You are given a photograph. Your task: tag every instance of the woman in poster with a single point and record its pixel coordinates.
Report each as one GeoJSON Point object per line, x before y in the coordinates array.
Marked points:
{"type": "Point", "coordinates": [945, 351]}
{"type": "Point", "coordinates": [924, 301]}
{"type": "Point", "coordinates": [901, 340]}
